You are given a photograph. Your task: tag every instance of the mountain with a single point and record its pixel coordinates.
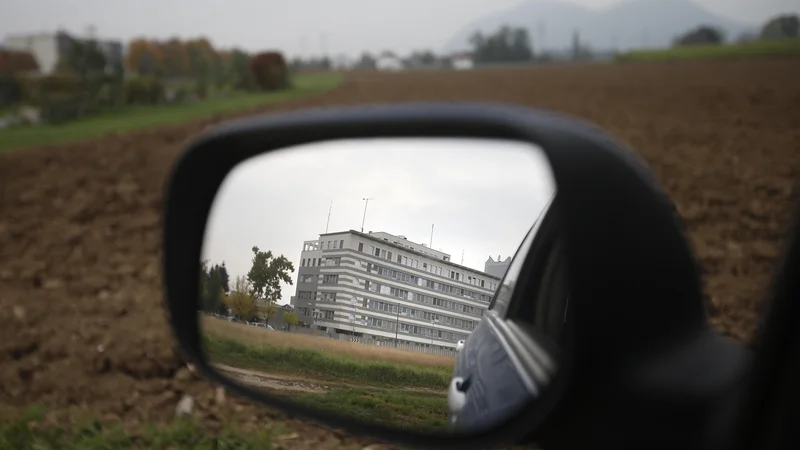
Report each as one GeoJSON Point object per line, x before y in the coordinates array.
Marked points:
{"type": "Point", "coordinates": [628, 25]}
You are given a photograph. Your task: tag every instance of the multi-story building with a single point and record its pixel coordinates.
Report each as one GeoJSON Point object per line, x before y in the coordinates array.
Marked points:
{"type": "Point", "coordinates": [497, 268]}
{"type": "Point", "coordinates": [386, 287]}
{"type": "Point", "coordinates": [49, 48]}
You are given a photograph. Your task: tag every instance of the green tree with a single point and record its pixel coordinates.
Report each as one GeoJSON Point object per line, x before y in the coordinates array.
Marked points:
{"type": "Point", "coordinates": [290, 318]}
{"type": "Point", "coordinates": [702, 35]}
{"type": "Point", "coordinates": [237, 68]}
{"type": "Point", "coordinates": [507, 44]}
{"type": "Point", "coordinates": [212, 288]}
{"type": "Point", "coordinates": [266, 275]}
{"type": "Point", "coordinates": [221, 272]}
{"type": "Point", "coordinates": [782, 27]}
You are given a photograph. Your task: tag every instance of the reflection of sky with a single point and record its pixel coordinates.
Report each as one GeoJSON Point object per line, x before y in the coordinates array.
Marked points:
{"type": "Point", "coordinates": [482, 197]}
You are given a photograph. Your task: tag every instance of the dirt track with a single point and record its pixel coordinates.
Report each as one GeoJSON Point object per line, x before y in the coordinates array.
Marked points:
{"type": "Point", "coordinates": [82, 326]}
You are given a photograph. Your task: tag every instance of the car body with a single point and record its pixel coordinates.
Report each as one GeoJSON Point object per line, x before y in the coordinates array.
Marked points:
{"type": "Point", "coordinates": [498, 389]}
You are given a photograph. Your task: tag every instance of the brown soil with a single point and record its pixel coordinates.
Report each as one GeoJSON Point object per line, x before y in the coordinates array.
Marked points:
{"type": "Point", "coordinates": [83, 331]}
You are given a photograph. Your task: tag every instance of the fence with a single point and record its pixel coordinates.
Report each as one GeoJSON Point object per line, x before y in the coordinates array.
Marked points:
{"type": "Point", "coordinates": [389, 343]}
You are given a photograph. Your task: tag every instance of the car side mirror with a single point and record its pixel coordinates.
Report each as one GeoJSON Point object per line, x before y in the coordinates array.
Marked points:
{"type": "Point", "coordinates": [392, 338]}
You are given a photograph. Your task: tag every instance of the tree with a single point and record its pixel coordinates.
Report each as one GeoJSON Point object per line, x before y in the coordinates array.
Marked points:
{"type": "Point", "coordinates": [269, 71]}
{"type": "Point", "coordinates": [266, 275]}
{"type": "Point", "coordinates": [241, 300]}
{"type": "Point", "coordinates": [580, 51]}
{"type": "Point", "coordinates": [366, 61]}
{"type": "Point", "coordinates": [268, 311]}
{"type": "Point", "coordinates": [782, 27]}
{"type": "Point", "coordinates": [507, 44]}
{"type": "Point", "coordinates": [702, 35]}
{"type": "Point", "coordinates": [222, 273]}
{"type": "Point", "coordinates": [237, 67]}
{"type": "Point", "coordinates": [142, 58]}
{"type": "Point", "coordinates": [212, 288]}
{"type": "Point", "coordinates": [290, 318]}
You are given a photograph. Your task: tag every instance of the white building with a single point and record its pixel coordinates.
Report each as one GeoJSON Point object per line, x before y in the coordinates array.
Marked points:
{"type": "Point", "coordinates": [48, 48]}
{"type": "Point", "coordinates": [389, 63]}
{"type": "Point", "coordinates": [462, 62]}
{"type": "Point", "coordinates": [386, 287]}
{"type": "Point", "coordinates": [497, 268]}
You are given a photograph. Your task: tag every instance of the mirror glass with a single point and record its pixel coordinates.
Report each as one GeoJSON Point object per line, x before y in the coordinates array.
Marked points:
{"type": "Point", "coordinates": [363, 277]}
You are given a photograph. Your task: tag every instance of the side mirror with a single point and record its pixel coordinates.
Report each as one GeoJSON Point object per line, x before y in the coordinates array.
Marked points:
{"type": "Point", "coordinates": [404, 330]}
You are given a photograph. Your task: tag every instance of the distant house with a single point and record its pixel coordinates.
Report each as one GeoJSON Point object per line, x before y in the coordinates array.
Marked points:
{"type": "Point", "coordinates": [388, 62]}
{"type": "Point", "coordinates": [49, 48]}
{"type": "Point", "coordinates": [462, 61]}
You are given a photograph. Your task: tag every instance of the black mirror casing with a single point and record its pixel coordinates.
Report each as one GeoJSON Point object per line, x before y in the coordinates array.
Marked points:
{"type": "Point", "coordinates": [641, 367]}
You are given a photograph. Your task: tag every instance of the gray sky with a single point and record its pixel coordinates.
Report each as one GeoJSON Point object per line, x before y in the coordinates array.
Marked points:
{"type": "Point", "coordinates": [295, 26]}
{"type": "Point", "coordinates": [482, 196]}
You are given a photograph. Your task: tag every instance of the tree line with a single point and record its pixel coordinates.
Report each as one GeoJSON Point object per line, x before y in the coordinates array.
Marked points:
{"type": "Point", "coordinates": [88, 79]}
{"type": "Point", "coordinates": [785, 26]}
{"type": "Point", "coordinates": [253, 297]}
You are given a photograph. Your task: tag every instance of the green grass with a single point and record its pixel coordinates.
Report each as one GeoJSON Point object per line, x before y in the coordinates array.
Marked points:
{"type": "Point", "coordinates": [755, 49]}
{"type": "Point", "coordinates": [27, 432]}
{"type": "Point", "coordinates": [138, 118]}
{"type": "Point", "coordinates": [318, 365]}
{"type": "Point", "coordinates": [404, 409]}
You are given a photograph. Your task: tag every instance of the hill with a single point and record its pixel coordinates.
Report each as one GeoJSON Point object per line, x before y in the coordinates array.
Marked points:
{"type": "Point", "coordinates": [629, 25]}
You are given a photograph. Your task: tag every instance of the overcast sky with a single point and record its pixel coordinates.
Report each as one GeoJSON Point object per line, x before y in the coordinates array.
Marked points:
{"type": "Point", "coordinates": [300, 27]}
{"type": "Point", "coordinates": [481, 196]}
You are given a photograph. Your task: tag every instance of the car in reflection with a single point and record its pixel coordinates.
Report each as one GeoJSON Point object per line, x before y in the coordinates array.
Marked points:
{"type": "Point", "coordinates": [489, 384]}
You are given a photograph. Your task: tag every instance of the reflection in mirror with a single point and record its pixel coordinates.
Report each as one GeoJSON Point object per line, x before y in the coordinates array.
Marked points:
{"type": "Point", "coordinates": [355, 276]}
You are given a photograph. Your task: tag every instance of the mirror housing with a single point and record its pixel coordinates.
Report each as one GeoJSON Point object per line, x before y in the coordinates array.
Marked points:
{"type": "Point", "coordinates": [640, 348]}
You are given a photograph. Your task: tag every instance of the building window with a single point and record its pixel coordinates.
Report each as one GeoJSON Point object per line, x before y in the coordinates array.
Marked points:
{"type": "Point", "coordinates": [335, 244]}
{"type": "Point", "coordinates": [341, 243]}
{"type": "Point", "coordinates": [389, 256]}
{"type": "Point", "coordinates": [308, 279]}
{"type": "Point", "coordinates": [330, 279]}
{"type": "Point", "coordinates": [361, 246]}
{"type": "Point", "coordinates": [329, 315]}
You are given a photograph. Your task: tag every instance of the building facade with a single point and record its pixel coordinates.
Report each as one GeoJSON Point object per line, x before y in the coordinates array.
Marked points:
{"type": "Point", "coordinates": [497, 268]}
{"type": "Point", "coordinates": [386, 287]}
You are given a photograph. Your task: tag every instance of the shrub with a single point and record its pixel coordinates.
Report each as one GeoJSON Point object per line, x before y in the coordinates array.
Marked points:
{"type": "Point", "coordinates": [144, 90]}
{"type": "Point", "coordinates": [269, 71]}
{"type": "Point", "coordinates": [10, 91]}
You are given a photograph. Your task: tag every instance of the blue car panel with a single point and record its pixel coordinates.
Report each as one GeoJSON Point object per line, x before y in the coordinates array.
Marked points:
{"type": "Point", "coordinates": [495, 389]}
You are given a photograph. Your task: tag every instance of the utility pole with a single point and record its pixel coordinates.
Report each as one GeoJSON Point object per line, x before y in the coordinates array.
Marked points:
{"type": "Point", "coordinates": [329, 217]}
{"type": "Point", "coordinates": [366, 200]}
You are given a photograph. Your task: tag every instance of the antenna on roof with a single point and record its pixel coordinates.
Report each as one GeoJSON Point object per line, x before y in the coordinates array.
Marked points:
{"type": "Point", "coordinates": [431, 244]}
{"type": "Point", "coordinates": [329, 217]}
{"type": "Point", "coordinates": [462, 257]}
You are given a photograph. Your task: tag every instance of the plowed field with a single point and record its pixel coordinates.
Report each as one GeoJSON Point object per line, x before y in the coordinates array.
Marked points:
{"type": "Point", "coordinates": [83, 331]}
